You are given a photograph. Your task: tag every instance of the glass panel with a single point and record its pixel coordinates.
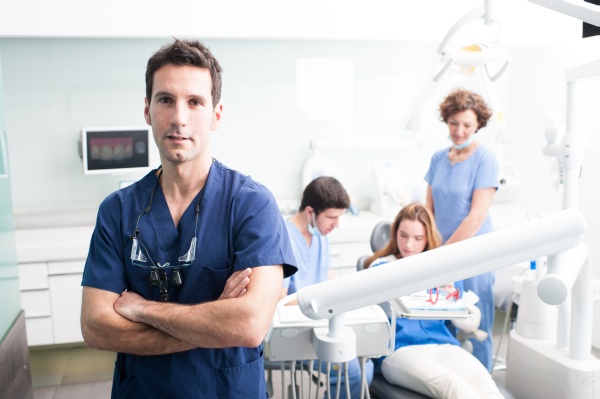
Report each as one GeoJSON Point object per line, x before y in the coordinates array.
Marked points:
{"type": "Point", "coordinates": [10, 297]}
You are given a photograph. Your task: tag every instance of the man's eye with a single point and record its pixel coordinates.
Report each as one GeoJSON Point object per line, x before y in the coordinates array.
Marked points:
{"type": "Point", "coordinates": [164, 100]}
{"type": "Point", "coordinates": [196, 103]}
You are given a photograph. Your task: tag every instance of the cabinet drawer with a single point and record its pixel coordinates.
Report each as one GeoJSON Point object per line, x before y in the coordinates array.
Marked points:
{"type": "Point", "coordinates": [335, 255]}
{"type": "Point", "coordinates": [33, 276]}
{"type": "Point", "coordinates": [36, 303]}
{"type": "Point", "coordinates": [65, 297]}
{"type": "Point", "coordinates": [350, 252]}
{"type": "Point", "coordinates": [39, 331]}
{"type": "Point", "coordinates": [72, 267]}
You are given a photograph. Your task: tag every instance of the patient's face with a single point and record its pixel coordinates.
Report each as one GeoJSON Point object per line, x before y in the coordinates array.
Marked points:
{"type": "Point", "coordinates": [411, 237]}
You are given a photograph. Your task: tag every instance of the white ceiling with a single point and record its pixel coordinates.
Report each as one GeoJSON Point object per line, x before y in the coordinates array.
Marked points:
{"type": "Point", "coordinates": [416, 20]}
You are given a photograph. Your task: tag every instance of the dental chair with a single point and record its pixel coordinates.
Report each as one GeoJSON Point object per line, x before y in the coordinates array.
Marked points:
{"type": "Point", "coordinates": [380, 388]}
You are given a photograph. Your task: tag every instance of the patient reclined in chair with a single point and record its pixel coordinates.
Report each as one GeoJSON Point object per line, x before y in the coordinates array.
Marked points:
{"type": "Point", "coordinates": [427, 359]}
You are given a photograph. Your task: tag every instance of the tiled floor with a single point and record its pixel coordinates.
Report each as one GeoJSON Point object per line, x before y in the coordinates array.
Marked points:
{"type": "Point", "coordinates": [71, 372]}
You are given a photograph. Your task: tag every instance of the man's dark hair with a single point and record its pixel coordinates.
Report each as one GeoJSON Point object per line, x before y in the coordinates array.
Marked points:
{"type": "Point", "coordinates": [185, 52]}
{"type": "Point", "coordinates": [323, 193]}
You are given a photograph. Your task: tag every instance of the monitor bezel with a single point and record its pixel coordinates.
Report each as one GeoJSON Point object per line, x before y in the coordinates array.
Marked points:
{"type": "Point", "coordinates": [85, 136]}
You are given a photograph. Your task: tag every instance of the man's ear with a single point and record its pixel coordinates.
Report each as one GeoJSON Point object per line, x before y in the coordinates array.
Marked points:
{"type": "Point", "coordinates": [216, 117]}
{"type": "Point", "coordinates": [147, 111]}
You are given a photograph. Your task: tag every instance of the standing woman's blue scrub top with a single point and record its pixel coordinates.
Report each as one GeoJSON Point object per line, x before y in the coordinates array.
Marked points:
{"type": "Point", "coordinates": [452, 188]}
{"type": "Point", "coordinates": [239, 226]}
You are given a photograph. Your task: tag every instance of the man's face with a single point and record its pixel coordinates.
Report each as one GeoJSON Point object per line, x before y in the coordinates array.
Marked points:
{"type": "Point", "coordinates": [329, 219]}
{"type": "Point", "coordinates": [181, 112]}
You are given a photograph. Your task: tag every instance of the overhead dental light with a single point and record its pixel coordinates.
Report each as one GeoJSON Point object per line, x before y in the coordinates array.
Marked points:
{"type": "Point", "coordinates": [470, 55]}
{"type": "Point", "coordinates": [472, 51]}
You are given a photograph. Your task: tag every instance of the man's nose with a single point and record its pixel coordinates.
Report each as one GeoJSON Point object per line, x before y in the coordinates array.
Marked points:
{"type": "Point", "coordinates": [180, 114]}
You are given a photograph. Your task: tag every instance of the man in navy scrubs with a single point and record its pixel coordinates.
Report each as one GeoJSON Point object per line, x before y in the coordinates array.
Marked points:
{"type": "Point", "coordinates": [166, 282]}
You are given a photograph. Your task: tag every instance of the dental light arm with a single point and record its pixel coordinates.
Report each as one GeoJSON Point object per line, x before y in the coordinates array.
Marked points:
{"type": "Point", "coordinates": [586, 12]}
{"type": "Point", "coordinates": [529, 240]}
{"type": "Point", "coordinates": [483, 57]}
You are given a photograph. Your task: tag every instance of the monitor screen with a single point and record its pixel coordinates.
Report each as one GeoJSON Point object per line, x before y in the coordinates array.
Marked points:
{"type": "Point", "coordinates": [115, 150]}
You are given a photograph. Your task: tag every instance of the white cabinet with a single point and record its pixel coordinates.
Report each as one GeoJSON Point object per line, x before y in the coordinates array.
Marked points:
{"type": "Point", "coordinates": [51, 298]}
{"type": "Point", "coordinates": [39, 331]}
{"type": "Point", "coordinates": [351, 241]}
{"type": "Point", "coordinates": [345, 255]}
{"type": "Point", "coordinates": [33, 276]}
{"type": "Point", "coordinates": [51, 263]}
{"type": "Point", "coordinates": [65, 298]}
{"type": "Point", "coordinates": [35, 299]}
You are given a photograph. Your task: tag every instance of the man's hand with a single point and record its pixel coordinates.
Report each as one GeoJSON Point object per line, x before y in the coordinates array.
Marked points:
{"type": "Point", "coordinates": [236, 285]}
{"type": "Point", "coordinates": [127, 305]}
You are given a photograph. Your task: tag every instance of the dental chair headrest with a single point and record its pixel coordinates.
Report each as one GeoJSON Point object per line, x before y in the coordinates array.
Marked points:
{"type": "Point", "coordinates": [380, 235]}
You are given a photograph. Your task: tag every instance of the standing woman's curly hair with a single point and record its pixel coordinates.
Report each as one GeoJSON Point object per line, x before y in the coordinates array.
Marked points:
{"type": "Point", "coordinates": [414, 212]}
{"type": "Point", "coordinates": [461, 100]}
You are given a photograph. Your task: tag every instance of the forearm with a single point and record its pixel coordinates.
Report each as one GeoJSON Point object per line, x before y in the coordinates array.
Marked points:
{"type": "Point", "coordinates": [470, 226]}
{"type": "Point", "coordinates": [241, 321]}
{"type": "Point", "coordinates": [467, 229]}
{"type": "Point", "coordinates": [218, 324]}
{"type": "Point", "coordinates": [103, 328]}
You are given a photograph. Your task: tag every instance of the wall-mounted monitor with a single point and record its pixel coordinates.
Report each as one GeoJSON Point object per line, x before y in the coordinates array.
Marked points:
{"type": "Point", "coordinates": [115, 149]}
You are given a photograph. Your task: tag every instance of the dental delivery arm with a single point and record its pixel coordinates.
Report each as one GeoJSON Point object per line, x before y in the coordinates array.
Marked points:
{"type": "Point", "coordinates": [543, 236]}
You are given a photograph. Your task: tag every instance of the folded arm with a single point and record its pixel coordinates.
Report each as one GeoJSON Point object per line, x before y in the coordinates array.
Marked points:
{"type": "Point", "coordinates": [240, 321]}
{"type": "Point", "coordinates": [103, 328]}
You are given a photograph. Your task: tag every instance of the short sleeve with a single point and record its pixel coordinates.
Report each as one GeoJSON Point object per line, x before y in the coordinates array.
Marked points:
{"type": "Point", "coordinates": [260, 234]}
{"type": "Point", "coordinates": [429, 174]}
{"type": "Point", "coordinates": [104, 266]}
{"type": "Point", "coordinates": [433, 165]}
{"type": "Point", "coordinates": [487, 173]}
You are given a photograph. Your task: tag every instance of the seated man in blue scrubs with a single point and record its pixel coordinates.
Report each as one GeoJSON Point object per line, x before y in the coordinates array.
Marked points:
{"type": "Point", "coordinates": [323, 202]}
{"type": "Point", "coordinates": [164, 248]}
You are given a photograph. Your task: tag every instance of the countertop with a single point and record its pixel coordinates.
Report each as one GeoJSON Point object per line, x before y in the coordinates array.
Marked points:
{"type": "Point", "coordinates": [53, 244]}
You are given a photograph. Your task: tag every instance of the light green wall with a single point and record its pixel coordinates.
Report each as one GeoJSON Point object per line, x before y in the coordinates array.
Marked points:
{"type": "Point", "coordinates": [9, 278]}
{"type": "Point", "coordinates": [54, 87]}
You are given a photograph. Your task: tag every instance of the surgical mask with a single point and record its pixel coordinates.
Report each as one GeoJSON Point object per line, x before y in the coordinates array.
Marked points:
{"type": "Point", "coordinates": [467, 143]}
{"type": "Point", "coordinates": [313, 229]}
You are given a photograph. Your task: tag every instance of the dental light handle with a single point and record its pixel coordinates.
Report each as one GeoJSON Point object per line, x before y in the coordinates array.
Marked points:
{"type": "Point", "coordinates": [485, 253]}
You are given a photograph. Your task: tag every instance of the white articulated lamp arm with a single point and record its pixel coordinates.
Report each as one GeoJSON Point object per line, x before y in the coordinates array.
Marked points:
{"type": "Point", "coordinates": [530, 240]}
{"type": "Point", "coordinates": [586, 12]}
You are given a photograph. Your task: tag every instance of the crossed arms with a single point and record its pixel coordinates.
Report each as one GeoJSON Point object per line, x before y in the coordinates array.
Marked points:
{"type": "Point", "coordinates": [131, 324]}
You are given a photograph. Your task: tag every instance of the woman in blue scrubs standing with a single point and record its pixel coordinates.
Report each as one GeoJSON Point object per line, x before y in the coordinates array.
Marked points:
{"type": "Point", "coordinates": [462, 181]}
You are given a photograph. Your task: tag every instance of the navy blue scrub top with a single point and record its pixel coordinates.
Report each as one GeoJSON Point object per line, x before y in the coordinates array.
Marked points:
{"type": "Point", "coordinates": [239, 226]}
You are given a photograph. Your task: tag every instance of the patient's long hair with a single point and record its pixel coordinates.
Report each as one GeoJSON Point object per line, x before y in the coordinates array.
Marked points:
{"type": "Point", "coordinates": [415, 212]}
